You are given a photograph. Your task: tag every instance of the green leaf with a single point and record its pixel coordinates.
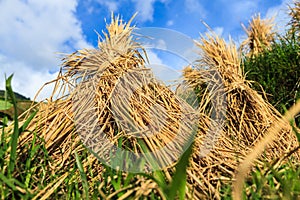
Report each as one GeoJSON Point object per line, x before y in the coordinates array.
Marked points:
{"type": "Point", "coordinates": [8, 182]}
{"type": "Point", "coordinates": [15, 135]}
{"type": "Point", "coordinates": [179, 179]}
{"type": "Point", "coordinates": [83, 176]}
{"type": "Point", "coordinates": [26, 123]}
{"type": "Point", "coordinates": [158, 175]}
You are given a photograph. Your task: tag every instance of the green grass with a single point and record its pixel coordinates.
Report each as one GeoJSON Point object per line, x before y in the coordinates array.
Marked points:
{"type": "Point", "coordinates": [267, 182]}
{"type": "Point", "coordinates": [277, 72]}
{"type": "Point", "coordinates": [11, 186]}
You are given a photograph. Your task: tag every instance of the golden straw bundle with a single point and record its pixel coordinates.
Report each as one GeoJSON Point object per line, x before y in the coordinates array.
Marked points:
{"type": "Point", "coordinates": [248, 118]}
{"type": "Point", "coordinates": [295, 18]}
{"type": "Point", "coordinates": [106, 95]}
{"type": "Point", "coordinates": [260, 35]}
{"type": "Point", "coordinates": [106, 98]}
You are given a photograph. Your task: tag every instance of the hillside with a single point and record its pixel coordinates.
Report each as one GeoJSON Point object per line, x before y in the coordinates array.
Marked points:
{"type": "Point", "coordinates": [23, 103]}
{"type": "Point", "coordinates": [17, 95]}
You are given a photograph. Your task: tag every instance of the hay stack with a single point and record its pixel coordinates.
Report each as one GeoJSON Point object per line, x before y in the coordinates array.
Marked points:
{"type": "Point", "coordinates": [118, 97]}
{"type": "Point", "coordinates": [106, 94]}
{"type": "Point", "coordinates": [260, 35]}
{"type": "Point", "coordinates": [248, 118]}
{"type": "Point", "coordinates": [90, 90]}
{"type": "Point", "coordinates": [295, 18]}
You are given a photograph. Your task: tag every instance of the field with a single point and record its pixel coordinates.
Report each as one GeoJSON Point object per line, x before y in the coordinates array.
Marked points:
{"type": "Point", "coordinates": [47, 151]}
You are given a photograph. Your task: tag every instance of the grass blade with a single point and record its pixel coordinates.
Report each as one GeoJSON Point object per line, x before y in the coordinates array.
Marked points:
{"type": "Point", "coordinates": [158, 175]}
{"type": "Point", "coordinates": [26, 123]}
{"type": "Point", "coordinates": [15, 134]}
{"type": "Point", "coordinates": [83, 176]}
{"type": "Point", "coordinates": [178, 183]}
{"type": "Point", "coordinates": [8, 182]}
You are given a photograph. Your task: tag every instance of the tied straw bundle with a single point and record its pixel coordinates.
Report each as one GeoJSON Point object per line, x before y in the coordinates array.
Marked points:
{"type": "Point", "coordinates": [104, 96]}
{"type": "Point", "coordinates": [260, 35]}
{"type": "Point", "coordinates": [90, 90]}
{"type": "Point", "coordinates": [248, 118]}
{"type": "Point", "coordinates": [295, 18]}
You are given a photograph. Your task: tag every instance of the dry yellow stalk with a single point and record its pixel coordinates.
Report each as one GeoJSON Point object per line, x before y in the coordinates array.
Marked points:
{"type": "Point", "coordinates": [295, 18]}
{"type": "Point", "coordinates": [258, 149]}
{"type": "Point", "coordinates": [248, 117]}
{"type": "Point", "coordinates": [260, 35]}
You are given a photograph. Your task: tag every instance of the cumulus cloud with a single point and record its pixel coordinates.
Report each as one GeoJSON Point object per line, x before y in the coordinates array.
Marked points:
{"type": "Point", "coordinates": [194, 6]}
{"type": "Point", "coordinates": [145, 9]}
{"type": "Point", "coordinates": [153, 58]}
{"type": "Point", "coordinates": [170, 23]}
{"type": "Point", "coordinates": [280, 14]}
{"type": "Point", "coordinates": [218, 30]}
{"type": "Point", "coordinates": [26, 80]}
{"type": "Point", "coordinates": [241, 10]}
{"type": "Point", "coordinates": [111, 5]}
{"type": "Point", "coordinates": [162, 71]}
{"type": "Point", "coordinates": [32, 33]}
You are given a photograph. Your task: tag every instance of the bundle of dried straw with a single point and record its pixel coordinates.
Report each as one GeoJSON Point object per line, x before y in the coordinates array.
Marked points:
{"type": "Point", "coordinates": [106, 94]}
{"type": "Point", "coordinates": [248, 118]}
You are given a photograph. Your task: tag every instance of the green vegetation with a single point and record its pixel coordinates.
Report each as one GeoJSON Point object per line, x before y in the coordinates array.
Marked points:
{"type": "Point", "coordinates": [6, 106]}
{"type": "Point", "coordinates": [272, 180]}
{"type": "Point", "coordinates": [12, 186]}
{"type": "Point", "coordinates": [269, 183]}
{"type": "Point", "coordinates": [277, 71]}
{"type": "Point", "coordinates": [18, 96]}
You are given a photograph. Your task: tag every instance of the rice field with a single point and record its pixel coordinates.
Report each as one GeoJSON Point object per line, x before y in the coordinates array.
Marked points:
{"type": "Point", "coordinates": [73, 146]}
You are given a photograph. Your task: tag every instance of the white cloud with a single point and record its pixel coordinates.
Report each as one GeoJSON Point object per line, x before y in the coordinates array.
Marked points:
{"type": "Point", "coordinates": [243, 9]}
{"type": "Point", "coordinates": [281, 15]}
{"type": "Point", "coordinates": [194, 6]}
{"type": "Point", "coordinates": [161, 44]}
{"type": "Point", "coordinates": [218, 30]}
{"type": "Point", "coordinates": [153, 58]}
{"type": "Point", "coordinates": [145, 9]}
{"type": "Point", "coordinates": [170, 23]}
{"type": "Point", "coordinates": [111, 5]}
{"type": "Point", "coordinates": [161, 71]}
{"type": "Point", "coordinates": [31, 34]}
{"type": "Point", "coordinates": [27, 81]}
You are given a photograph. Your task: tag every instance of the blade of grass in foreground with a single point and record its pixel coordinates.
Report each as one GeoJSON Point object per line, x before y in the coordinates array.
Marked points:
{"type": "Point", "coordinates": [3, 144]}
{"type": "Point", "coordinates": [83, 176]}
{"type": "Point", "coordinates": [8, 182]}
{"type": "Point", "coordinates": [28, 165]}
{"type": "Point", "coordinates": [178, 183]}
{"type": "Point", "coordinates": [14, 184]}
{"type": "Point", "coordinates": [26, 123]}
{"type": "Point", "coordinates": [158, 175]}
{"type": "Point", "coordinates": [15, 134]}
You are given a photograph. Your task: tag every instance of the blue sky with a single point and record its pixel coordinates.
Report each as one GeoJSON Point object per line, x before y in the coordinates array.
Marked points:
{"type": "Point", "coordinates": [33, 32]}
{"type": "Point", "coordinates": [184, 15]}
